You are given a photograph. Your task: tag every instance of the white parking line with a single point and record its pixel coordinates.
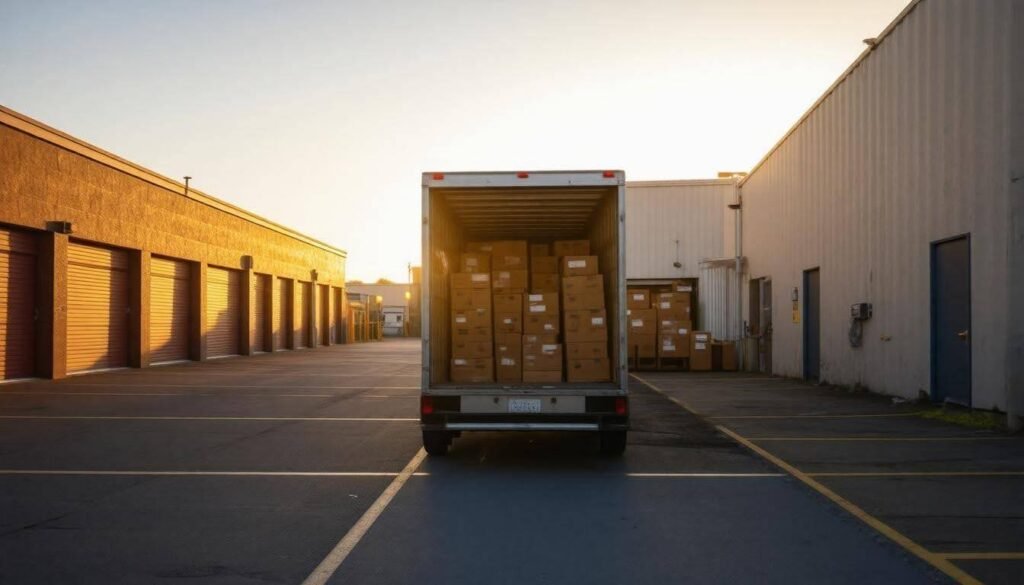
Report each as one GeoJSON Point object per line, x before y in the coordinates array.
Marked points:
{"type": "Point", "coordinates": [120, 472]}
{"type": "Point", "coordinates": [706, 475]}
{"type": "Point", "coordinates": [213, 418]}
{"type": "Point", "coordinates": [340, 552]}
{"type": "Point", "coordinates": [264, 386]}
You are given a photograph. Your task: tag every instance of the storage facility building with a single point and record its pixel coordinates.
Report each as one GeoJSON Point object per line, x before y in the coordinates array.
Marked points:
{"type": "Point", "coordinates": [104, 264]}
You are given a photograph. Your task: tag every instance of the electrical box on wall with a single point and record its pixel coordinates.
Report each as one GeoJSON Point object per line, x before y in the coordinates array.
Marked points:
{"type": "Point", "coordinates": [860, 311]}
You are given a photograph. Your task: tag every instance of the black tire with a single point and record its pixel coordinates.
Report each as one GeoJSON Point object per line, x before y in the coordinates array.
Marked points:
{"type": "Point", "coordinates": [613, 443]}
{"type": "Point", "coordinates": [436, 443]}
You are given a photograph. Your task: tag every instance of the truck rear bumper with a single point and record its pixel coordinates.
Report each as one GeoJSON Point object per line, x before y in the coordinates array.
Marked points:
{"type": "Point", "coordinates": [510, 422]}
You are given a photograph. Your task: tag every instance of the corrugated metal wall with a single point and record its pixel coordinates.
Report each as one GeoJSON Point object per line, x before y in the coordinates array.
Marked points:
{"type": "Point", "coordinates": [658, 213]}
{"type": "Point", "coordinates": [717, 299]}
{"type": "Point", "coordinates": [911, 148]}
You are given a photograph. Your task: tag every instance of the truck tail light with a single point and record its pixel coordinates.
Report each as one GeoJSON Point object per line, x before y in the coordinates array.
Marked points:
{"type": "Point", "coordinates": [608, 174]}
{"type": "Point", "coordinates": [620, 406]}
{"type": "Point", "coordinates": [426, 405]}
{"type": "Point", "coordinates": [522, 175]}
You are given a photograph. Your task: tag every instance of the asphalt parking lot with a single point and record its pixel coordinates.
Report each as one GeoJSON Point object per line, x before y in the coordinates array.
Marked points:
{"type": "Point", "coordinates": [261, 470]}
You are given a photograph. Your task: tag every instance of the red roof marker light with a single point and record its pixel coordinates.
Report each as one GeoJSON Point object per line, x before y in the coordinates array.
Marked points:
{"type": "Point", "coordinates": [608, 174]}
{"type": "Point", "coordinates": [438, 176]}
{"type": "Point", "coordinates": [522, 175]}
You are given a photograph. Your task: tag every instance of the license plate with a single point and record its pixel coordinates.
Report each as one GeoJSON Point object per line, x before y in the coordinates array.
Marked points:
{"type": "Point", "coordinates": [524, 405]}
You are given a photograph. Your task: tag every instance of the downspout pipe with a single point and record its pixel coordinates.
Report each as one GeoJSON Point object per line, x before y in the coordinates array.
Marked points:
{"type": "Point", "coordinates": [739, 271]}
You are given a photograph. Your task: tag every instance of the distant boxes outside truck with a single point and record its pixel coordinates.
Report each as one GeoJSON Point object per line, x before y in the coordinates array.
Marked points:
{"type": "Point", "coordinates": [638, 298]}
{"type": "Point", "coordinates": [538, 253]}
{"type": "Point", "coordinates": [700, 351]}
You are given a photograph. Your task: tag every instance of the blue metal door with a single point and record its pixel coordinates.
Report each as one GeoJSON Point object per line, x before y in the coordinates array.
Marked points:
{"type": "Point", "coordinates": [812, 324]}
{"type": "Point", "coordinates": [951, 321]}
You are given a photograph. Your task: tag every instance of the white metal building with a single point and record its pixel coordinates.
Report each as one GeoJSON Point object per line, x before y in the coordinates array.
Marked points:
{"type": "Point", "coordinates": [895, 190]}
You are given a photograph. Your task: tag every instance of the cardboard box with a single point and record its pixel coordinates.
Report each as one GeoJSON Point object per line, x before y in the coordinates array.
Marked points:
{"type": "Point", "coordinates": [588, 370]}
{"type": "Point", "coordinates": [582, 292]}
{"type": "Point", "coordinates": [586, 325]}
{"type": "Point", "coordinates": [509, 255]}
{"type": "Point", "coordinates": [540, 304]}
{"type": "Point", "coordinates": [471, 318]}
{"type": "Point", "coordinates": [541, 377]}
{"type": "Point", "coordinates": [472, 333]}
{"type": "Point", "coordinates": [508, 322]}
{"type": "Point", "coordinates": [472, 371]}
{"type": "Point", "coordinates": [544, 357]}
{"type": "Point", "coordinates": [676, 326]}
{"type": "Point", "coordinates": [542, 283]}
{"type": "Point", "coordinates": [578, 265]}
{"type": "Point", "coordinates": [471, 298]}
{"type": "Point", "coordinates": [641, 321]}
{"type": "Point", "coordinates": [544, 265]}
{"type": "Point", "coordinates": [571, 248]}
{"type": "Point", "coordinates": [700, 351]}
{"type": "Point", "coordinates": [643, 346]}
{"type": "Point", "coordinates": [485, 247]}
{"type": "Point", "coordinates": [638, 298]}
{"type": "Point", "coordinates": [508, 302]}
{"type": "Point", "coordinates": [508, 358]}
{"type": "Point", "coordinates": [541, 324]}
{"type": "Point", "coordinates": [463, 280]}
{"type": "Point", "coordinates": [540, 338]}
{"type": "Point", "coordinates": [472, 347]}
{"type": "Point", "coordinates": [475, 262]}
{"type": "Point", "coordinates": [723, 356]}
{"type": "Point", "coordinates": [672, 345]}
{"type": "Point", "coordinates": [509, 281]}
{"type": "Point", "coordinates": [537, 250]}
{"type": "Point", "coordinates": [681, 286]}
{"type": "Point", "coordinates": [673, 303]}
{"type": "Point", "coordinates": [586, 350]}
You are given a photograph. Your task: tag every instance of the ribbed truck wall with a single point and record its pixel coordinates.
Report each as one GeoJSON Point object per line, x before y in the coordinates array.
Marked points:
{"type": "Point", "coordinates": [911, 148]}
{"type": "Point", "coordinates": [223, 311]}
{"type": "Point", "coordinates": [18, 256]}
{"type": "Point", "coordinates": [97, 308]}
{"type": "Point", "coordinates": [169, 311]}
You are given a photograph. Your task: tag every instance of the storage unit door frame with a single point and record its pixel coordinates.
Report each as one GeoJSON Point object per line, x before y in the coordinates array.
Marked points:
{"type": "Point", "coordinates": [260, 291]}
{"type": "Point", "coordinates": [223, 311]}
{"type": "Point", "coordinates": [170, 285]}
{"type": "Point", "coordinates": [279, 316]}
{"type": "Point", "coordinates": [303, 292]}
{"type": "Point", "coordinates": [98, 306]}
{"type": "Point", "coordinates": [18, 311]}
{"type": "Point", "coordinates": [324, 300]}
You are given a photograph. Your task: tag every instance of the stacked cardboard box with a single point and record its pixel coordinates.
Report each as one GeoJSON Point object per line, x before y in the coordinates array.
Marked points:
{"type": "Point", "coordinates": [641, 324]}
{"type": "Point", "coordinates": [584, 316]}
{"type": "Point", "coordinates": [472, 358]}
{"type": "Point", "coordinates": [542, 352]}
{"type": "Point", "coordinates": [544, 274]}
{"type": "Point", "coordinates": [700, 351]}
{"type": "Point", "coordinates": [674, 326]}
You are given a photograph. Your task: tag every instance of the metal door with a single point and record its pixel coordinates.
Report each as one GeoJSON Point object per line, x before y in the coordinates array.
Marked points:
{"type": "Point", "coordinates": [98, 307]}
{"type": "Point", "coordinates": [812, 324]}
{"type": "Point", "coordinates": [17, 304]}
{"type": "Point", "coordinates": [765, 341]}
{"type": "Point", "coordinates": [324, 298]}
{"type": "Point", "coordinates": [282, 292]}
{"type": "Point", "coordinates": [951, 321]}
{"type": "Point", "coordinates": [260, 319]}
{"type": "Point", "coordinates": [223, 311]}
{"type": "Point", "coordinates": [301, 316]}
{"type": "Point", "coordinates": [169, 284]}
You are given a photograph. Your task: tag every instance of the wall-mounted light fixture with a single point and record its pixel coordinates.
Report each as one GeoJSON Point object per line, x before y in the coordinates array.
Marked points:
{"type": "Point", "coordinates": [60, 227]}
{"type": "Point", "coordinates": [313, 274]}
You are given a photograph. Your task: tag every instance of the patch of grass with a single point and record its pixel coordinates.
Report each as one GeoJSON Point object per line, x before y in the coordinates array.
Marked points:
{"type": "Point", "coordinates": [975, 419]}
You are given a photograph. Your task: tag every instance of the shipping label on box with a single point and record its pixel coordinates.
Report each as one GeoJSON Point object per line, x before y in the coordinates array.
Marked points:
{"type": "Point", "coordinates": [583, 292]}
{"type": "Point", "coordinates": [545, 283]}
{"type": "Point", "coordinates": [544, 265]}
{"type": "Point", "coordinates": [542, 357]}
{"type": "Point", "coordinates": [588, 370]}
{"type": "Point", "coordinates": [642, 321]}
{"type": "Point", "coordinates": [509, 280]}
{"type": "Point", "coordinates": [477, 262]}
{"type": "Point", "coordinates": [540, 338]}
{"type": "Point", "coordinates": [541, 304]}
{"type": "Point", "coordinates": [579, 265]}
{"type": "Point", "coordinates": [638, 298]}
{"type": "Point", "coordinates": [508, 322]}
{"type": "Point", "coordinates": [508, 302]}
{"type": "Point", "coordinates": [537, 250]}
{"type": "Point", "coordinates": [463, 318]}
{"type": "Point", "coordinates": [571, 248]}
{"type": "Point", "coordinates": [586, 350]}
{"type": "Point", "coordinates": [472, 371]}
{"type": "Point", "coordinates": [682, 287]}
{"type": "Point", "coordinates": [673, 325]}
{"type": "Point", "coordinates": [510, 254]}
{"type": "Point", "coordinates": [586, 325]}
{"type": "Point", "coordinates": [470, 298]}
{"type": "Point", "coordinates": [471, 348]}
{"type": "Point", "coordinates": [671, 345]}
{"type": "Point", "coordinates": [479, 280]}
{"type": "Point", "coordinates": [643, 346]}
{"type": "Point", "coordinates": [541, 324]}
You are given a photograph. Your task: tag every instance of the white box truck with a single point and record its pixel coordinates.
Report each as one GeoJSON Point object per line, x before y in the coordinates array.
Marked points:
{"type": "Point", "coordinates": [540, 207]}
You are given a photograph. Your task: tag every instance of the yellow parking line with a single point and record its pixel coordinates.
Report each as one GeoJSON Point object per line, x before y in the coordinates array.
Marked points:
{"type": "Point", "coordinates": [982, 556]}
{"type": "Point", "coordinates": [886, 439]}
{"type": "Point", "coordinates": [798, 416]}
{"type": "Point", "coordinates": [919, 474]}
{"type": "Point", "coordinates": [892, 534]}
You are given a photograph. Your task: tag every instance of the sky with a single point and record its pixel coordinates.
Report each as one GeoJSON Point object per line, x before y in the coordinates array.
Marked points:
{"type": "Point", "coordinates": [322, 115]}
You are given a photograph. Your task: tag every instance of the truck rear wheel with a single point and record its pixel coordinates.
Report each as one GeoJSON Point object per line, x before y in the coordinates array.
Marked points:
{"type": "Point", "coordinates": [613, 443]}
{"type": "Point", "coordinates": [436, 442]}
